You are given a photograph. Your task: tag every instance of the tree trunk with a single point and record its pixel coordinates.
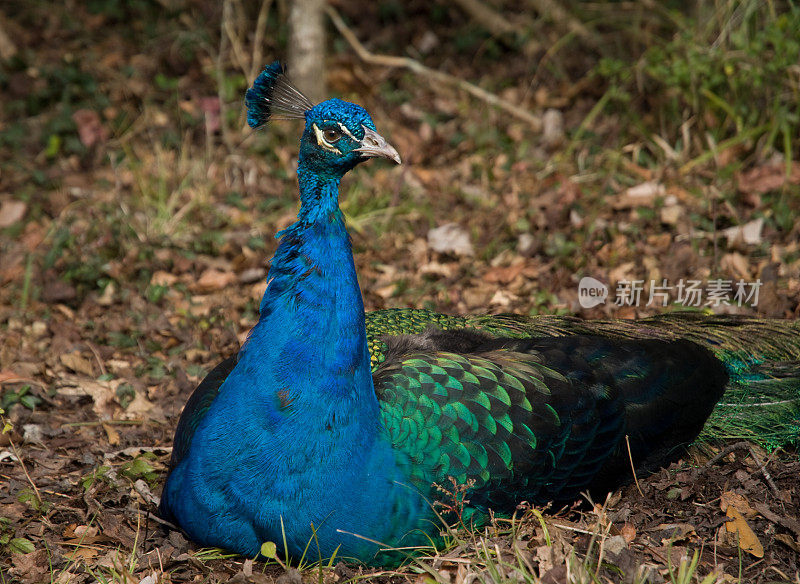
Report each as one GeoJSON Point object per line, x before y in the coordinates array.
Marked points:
{"type": "Point", "coordinates": [307, 47]}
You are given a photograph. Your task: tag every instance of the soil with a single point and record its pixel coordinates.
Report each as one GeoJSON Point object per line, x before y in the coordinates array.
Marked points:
{"type": "Point", "coordinates": [136, 223]}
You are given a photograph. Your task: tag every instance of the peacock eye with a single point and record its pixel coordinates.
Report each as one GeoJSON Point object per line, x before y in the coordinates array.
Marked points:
{"type": "Point", "coordinates": [331, 135]}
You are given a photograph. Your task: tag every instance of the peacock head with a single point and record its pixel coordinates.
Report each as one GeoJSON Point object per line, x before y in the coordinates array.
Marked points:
{"type": "Point", "coordinates": [338, 134]}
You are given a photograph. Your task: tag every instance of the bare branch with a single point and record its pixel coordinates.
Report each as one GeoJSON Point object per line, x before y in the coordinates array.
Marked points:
{"type": "Point", "coordinates": [493, 21]}
{"type": "Point", "coordinates": [258, 40]}
{"type": "Point", "coordinates": [7, 47]}
{"type": "Point", "coordinates": [437, 77]}
{"type": "Point", "coordinates": [558, 15]}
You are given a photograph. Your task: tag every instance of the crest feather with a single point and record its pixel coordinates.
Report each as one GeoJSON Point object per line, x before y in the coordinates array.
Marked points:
{"type": "Point", "coordinates": [274, 97]}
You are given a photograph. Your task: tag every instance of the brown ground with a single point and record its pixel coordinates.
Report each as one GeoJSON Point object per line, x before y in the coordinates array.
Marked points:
{"type": "Point", "coordinates": [136, 222]}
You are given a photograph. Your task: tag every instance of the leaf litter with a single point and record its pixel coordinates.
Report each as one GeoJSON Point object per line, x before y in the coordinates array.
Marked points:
{"type": "Point", "coordinates": [112, 310]}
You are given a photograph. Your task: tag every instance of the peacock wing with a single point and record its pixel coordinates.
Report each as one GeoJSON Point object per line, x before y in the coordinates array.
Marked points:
{"type": "Point", "coordinates": [197, 406]}
{"type": "Point", "coordinates": [540, 419]}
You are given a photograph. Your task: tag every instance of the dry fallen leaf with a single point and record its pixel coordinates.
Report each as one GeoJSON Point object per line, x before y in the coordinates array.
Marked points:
{"type": "Point", "coordinates": [107, 297]}
{"type": "Point", "coordinates": [623, 272]}
{"type": "Point", "coordinates": [213, 279]}
{"type": "Point", "coordinates": [103, 393]}
{"type": "Point", "coordinates": [77, 363]}
{"type": "Point", "coordinates": [748, 541]}
{"type": "Point", "coordinates": [768, 177]}
{"type": "Point", "coordinates": [112, 434]}
{"type": "Point", "coordinates": [85, 531]}
{"type": "Point", "coordinates": [90, 128]}
{"type": "Point", "coordinates": [736, 263]}
{"type": "Point", "coordinates": [450, 238]}
{"type": "Point", "coordinates": [642, 195]}
{"type": "Point", "coordinates": [788, 541]}
{"type": "Point", "coordinates": [737, 501]}
{"type": "Point", "coordinates": [446, 270]}
{"type": "Point", "coordinates": [749, 233]}
{"type": "Point", "coordinates": [86, 554]}
{"type": "Point", "coordinates": [11, 212]}
{"type": "Point", "coordinates": [162, 278]}
{"type": "Point", "coordinates": [503, 275]}
{"type": "Point", "coordinates": [503, 298]}
{"type": "Point", "coordinates": [141, 407]}
{"type": "Point", "coordinates": [8, 375]}
{"type": "Point", "coordinates": [671, 214]}
{"type": "Point", "coordinates": [628, 531]}
{"type": "Point", "coordinates": [386, 291]}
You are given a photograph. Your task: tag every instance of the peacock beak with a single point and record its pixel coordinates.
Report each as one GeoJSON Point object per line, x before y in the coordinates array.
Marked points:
{"type": "Point", "coordinates": [374, 145]}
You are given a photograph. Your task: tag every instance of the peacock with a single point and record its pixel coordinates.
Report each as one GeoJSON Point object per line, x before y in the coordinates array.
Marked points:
{"type": "Point", "coordinates": [336, 433]}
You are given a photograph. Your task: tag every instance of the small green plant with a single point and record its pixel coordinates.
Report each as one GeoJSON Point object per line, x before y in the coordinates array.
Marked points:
{"type": "Point", "coordinates": [140, 468]}
{"type": "Point", "coordinates": [125, 394]}
{"type": "Point", "coordinates": [98, 474]}
{"type": "Point", "coordinates": [14, 545]}
{"type": "Point", "coordinates": [155, 293]}
{"type": "Point", "coordinates": [213, 554]}
{"type": "Point", "coordinates": [545, 302]}
{"type": "Point", "coordinates": [686, 572]}
{"type": "Point", "coordinates": [32, 498]}
{"type": "Point", "coordinates": [22, 396]}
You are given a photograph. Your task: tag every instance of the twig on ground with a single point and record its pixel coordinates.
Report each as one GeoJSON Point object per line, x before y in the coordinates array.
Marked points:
{"type": "Point", "coordinates": [743, 445]}
{"type": "Point", "coordinates": [488, 18]}
{"type": "Point", "coordinates": [96, 354]}
{"type": "Point", "coordinates": [430, 74]}
{"type": "Point", "coordinates": [763, 468]}
{"type": "Point", "coordinates": [555, 12]}
{"type": "Point", "coordinates": [102, 422]}
{"type": "Point", "coordinates": [29, 380]}
{"type": "Point", "coordinates": [633, 469]}
{"type": "Point", "coordinates": [20, 460]}
{"type": "Point", "coordinates": [144, 492]}
{"type": "Point", "coordinates": [787, 522]}
{"type": "Point", "coordinates": [158, 519]}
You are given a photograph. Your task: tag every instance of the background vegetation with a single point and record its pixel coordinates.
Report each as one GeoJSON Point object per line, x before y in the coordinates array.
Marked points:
{"type": "Point", "coordinates": [620, 140]}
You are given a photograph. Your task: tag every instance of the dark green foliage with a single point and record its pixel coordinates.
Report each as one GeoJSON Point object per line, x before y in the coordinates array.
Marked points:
{"type": "Point", "coordinates": [22, 396]}
{"type": "Point", "coordinates": [727, 68]}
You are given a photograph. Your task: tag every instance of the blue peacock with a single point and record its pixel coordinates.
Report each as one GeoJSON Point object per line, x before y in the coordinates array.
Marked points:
{"type": "Point", "coordinates": [336, 430]}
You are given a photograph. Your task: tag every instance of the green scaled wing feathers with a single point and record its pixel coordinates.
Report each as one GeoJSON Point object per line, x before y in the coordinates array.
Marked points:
{"type": "Point", "coordinates": [539, 418]}
{"type": "Point", "coordinates": [472, 418]}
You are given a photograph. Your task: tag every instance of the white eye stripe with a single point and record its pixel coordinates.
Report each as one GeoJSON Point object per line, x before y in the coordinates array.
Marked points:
{"type": "Point", "coordinates": [347, 132]}
{"type": "Point", "coordinates": [323, 143]}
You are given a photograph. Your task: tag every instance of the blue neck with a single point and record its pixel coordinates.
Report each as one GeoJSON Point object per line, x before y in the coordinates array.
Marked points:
{"type": "Point", "coordinates": [311, 337]}
{"type": "Point", "coordinates": [319, 195]}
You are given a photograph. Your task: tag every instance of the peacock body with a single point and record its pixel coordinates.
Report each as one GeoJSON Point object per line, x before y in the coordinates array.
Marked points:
{"type": "Point", "coordinates": [332, 430]}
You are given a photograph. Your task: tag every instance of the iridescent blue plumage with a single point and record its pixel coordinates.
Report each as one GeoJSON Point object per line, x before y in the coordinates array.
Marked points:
{"type": "Point", "coordinates": [275, 444]}
{"type": "Point", "coordinates": [272, 96]}
{"type": "Point", "coordinates": [330, 427]}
